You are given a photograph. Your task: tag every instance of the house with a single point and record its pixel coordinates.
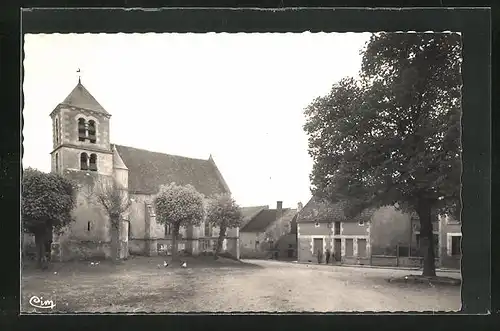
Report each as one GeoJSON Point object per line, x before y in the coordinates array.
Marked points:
{"type": "Point", "coordinates": [83, 152]}
{"type": "Point", "coordinates": [263, 229]}
{"type": "Point", "coordinates": [322, 226]}
{"type": "Point", "coordinates": [382, 236]}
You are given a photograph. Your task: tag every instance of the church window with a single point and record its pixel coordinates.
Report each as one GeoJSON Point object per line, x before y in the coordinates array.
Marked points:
{"type": "Point", "coordinates": [93, 162]}
{"type": "Point", "coordinates": [82, 133]}
{"type": "Point", "coordinates": [92, 132]}
{"type": "Point", "coordinates": [88, 226]}
{"type": "Point", "coordinates": [168, 230]}
{"type": "Point", "coordinates": [208, 229]}
{"type": "Point", "coordinates": [57, 162]}
{"type": "Point", "coordinates": [84, 161]}
{"type": "Point", "coordinates": [57, 130]}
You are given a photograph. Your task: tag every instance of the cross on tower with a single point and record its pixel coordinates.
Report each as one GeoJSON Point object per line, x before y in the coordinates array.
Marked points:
{"type": "Point", "coordinates": [79, 76]}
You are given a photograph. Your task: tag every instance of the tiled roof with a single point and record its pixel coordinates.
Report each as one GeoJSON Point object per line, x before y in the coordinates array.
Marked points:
{"type": "Point", "coordinates": [148, 170]}
{"type": "Point", "coordinates": [262, 220]}
{"type": "Point", "coordinates": [82, 98]}
{"type": "Point", "coordinates": [249, 212]}
{"type": "Point", "coordinates": [317, 210]}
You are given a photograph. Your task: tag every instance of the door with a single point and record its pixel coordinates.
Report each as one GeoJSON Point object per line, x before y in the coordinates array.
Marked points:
{"type": "Point", "coordinates": [318, 245]}
{"type": "Point", "coordinates": [337, 249]}
{"type": "Point", "coordinates": [361, 247]}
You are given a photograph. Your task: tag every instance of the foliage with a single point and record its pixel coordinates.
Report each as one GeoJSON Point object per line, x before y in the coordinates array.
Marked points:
{"type": "Point", "coordinates": [114, 198]}
{"type": "Point", "coordinates": [178, 206]}
{"type": "Point", "coordinates": [47, 200]}
{"type": "Point", "coordinates": [222, 211]}
{"type": "Point", "coordinates": [393, 136]}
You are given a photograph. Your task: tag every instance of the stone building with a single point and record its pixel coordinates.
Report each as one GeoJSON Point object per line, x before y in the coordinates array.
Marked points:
{"type": "Point", "coordinates": [383, 236]}
{"type": "Point", "coordinates": [82, 151]}
{"type": "Point", "coordinates": [263, 229]}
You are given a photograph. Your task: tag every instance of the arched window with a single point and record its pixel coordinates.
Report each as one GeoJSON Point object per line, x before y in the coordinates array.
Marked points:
{"type": "Point", "coordinates": [93, 162]}
{"type": "Point", "coordinates": [208, 229]}
{"type": "Point", "coordinates": [57, 130]}
{"type": "Point", "coordinates": [82, 132]}
{"type": "Point", "coordinates": [92, 131]}
{"type": "Point", "coordinates": [168, 230]}
{"type": "Point", "coordinates": [84, 161]}
{"type": "Point", "coordinates": [57, 162]}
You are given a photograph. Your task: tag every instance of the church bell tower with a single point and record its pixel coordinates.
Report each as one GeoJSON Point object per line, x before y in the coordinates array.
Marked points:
{"type": "Point", "coordinates": [80, 127]}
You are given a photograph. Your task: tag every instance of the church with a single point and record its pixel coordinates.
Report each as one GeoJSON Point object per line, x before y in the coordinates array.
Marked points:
{"type": "Point", "coordinates": [82, 151]}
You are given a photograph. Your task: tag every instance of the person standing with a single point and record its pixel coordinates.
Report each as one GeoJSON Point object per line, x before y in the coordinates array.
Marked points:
{"type": "Point", "coordinates": [320, 256]}
{"type": "Point", "coordinates": [327, 256]}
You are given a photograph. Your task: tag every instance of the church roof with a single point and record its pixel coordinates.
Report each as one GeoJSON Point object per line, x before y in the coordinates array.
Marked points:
{"type": "Point", "coordinates": [148, 170]}
{"type": "Point", "coordinates": [80, 97]}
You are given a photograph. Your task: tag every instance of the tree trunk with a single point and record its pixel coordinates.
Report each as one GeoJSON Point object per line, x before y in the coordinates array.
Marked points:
{"type": "Point", "coordinates": [115, 240]}
{"type": "Point", "coordinates": [40, 242]}
{"type": "Point", "coordinates": [222, 235]}
{"type": "Point", "coordinates": [175, 234]}
{"type": "Point", "coordinates": [426, 236]}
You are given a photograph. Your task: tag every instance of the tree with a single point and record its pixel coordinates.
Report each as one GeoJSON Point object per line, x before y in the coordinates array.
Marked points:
{"type": "Point", "coordinates": [223, 212]}
{"type": "Point", "coordinates": [47, 200]}
{"type": "Point", "coordinates": [178, 206]}
{"type": "Point", "coordinates": [393, 136]}
{"type": "Point", "coordinates": [114, 199]}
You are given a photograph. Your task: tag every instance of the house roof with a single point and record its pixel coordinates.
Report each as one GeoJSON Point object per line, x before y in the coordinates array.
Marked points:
{"type": "Point", "coordinates": [317, 210]}
{"type": "Point", "coordinates": [262, 220]}
{"type": "Point", "coordinates": [80, 97]}
{"type": "Point", "coordinates": [148, 170]}
{"type": "Point", "coordinates": [249, 212]}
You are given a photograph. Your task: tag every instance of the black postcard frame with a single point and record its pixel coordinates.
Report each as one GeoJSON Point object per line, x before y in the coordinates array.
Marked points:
{"type": "Point", "coordinates": [474, 24]}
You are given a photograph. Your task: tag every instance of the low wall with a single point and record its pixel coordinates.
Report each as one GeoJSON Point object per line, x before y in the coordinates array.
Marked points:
{"type": "Point", "coordinates": [81, 250]}
{"type": "Point", "coordinates": [452, 262]}
{"type": "Point", "coordinates": [402, 261]}
{"type": "Point", "coordinates": [248, 254]}
{"type": "Point", "coordinates": [356, 260]}
{"type": "Point", "coordinates": [184, 246]}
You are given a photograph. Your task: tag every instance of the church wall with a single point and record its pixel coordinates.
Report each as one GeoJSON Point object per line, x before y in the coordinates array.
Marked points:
{"type": "Point", "coordinates": [70, 159]}
{"type": "Point", "coordinates": [121, 176]}
{"type": "Point", "coordinates": [88, 236]}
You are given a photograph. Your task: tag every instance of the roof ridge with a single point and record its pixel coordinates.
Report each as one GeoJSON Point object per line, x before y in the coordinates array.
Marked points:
{"type": "Point", "coordinates": [150, 151]}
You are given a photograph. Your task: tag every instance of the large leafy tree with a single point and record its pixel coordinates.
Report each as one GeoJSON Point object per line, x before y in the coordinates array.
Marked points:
{"type": "Point", "coordinates": [178, 206]}
{"type": "Point", "coordinates": [393, 136]}
{"type": "Point", "coordinates": [46, 205]}
{"type": "Point", "coordinates": [223, 212]}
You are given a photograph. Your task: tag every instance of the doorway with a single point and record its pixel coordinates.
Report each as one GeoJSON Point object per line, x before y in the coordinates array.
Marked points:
{"type": "Point", "coordinates": [318, 245]}
{"type": "Point", "coordinates": [337, 249]}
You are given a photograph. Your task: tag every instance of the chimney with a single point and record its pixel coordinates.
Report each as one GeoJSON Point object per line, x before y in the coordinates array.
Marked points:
{"type": "Point", "coordinates": [279, 209]}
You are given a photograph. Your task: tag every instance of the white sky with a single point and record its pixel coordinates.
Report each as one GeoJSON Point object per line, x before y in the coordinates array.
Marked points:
{"type": "Point", "coordinates": [239, 97]}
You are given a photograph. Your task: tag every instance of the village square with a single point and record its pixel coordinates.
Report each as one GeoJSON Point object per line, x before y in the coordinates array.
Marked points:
{"type": "Point", "coordinates": [115, 228]}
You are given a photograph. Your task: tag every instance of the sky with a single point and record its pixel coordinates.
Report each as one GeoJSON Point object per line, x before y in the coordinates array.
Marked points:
{"type": "Point", "coordinates": [239, 97]}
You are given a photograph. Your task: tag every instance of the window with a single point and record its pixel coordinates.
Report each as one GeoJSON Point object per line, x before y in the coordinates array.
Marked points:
{"type": "Point", "coordinates": [57, 162]}
{"type": "Point", "coordinates": [129, 230]}
{"type": "Point", "coordinates": [456, 248]}
{"type": "Point", "coordinates": [84, 161]}
{"type": "Point", "coordinates": [88, 226]}
{"type": "Point", "coordinates": [57, 130]}
{"type": "Point", "coordinates": [168, 230]}
{"type": "Point", "coordinates": [336, 230]}
{"type": "Point", "coordinates": [92, 132]}
{"type": "Point", "coordinates": [93, 162]}
{"type": "Point", "coordinates": [208, 229]}
{"type": "Point", "coordinates": [82, 132]}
